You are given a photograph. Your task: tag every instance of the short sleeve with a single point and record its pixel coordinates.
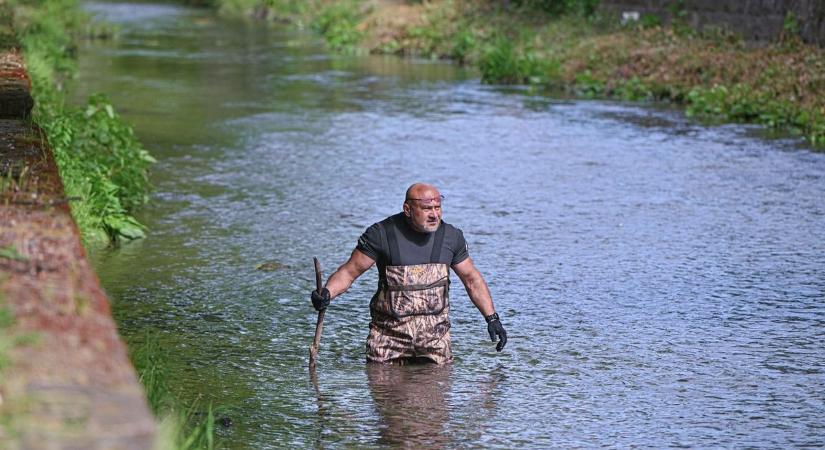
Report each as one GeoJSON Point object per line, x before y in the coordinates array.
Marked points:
{"type": "Point", "coordinates": [460, 252]}
{"type": "Point", "coordinates": [370, 242]}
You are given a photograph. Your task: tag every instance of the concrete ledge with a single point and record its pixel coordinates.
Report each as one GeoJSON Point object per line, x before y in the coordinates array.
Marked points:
{"type": "Point", "coordinates": [70, 384]}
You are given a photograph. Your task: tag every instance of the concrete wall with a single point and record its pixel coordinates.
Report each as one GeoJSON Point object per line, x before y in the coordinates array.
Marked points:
{"type": "Point", "coordinates": [755, 20]}
{"type": "Point", "coordinates": [69, 383]}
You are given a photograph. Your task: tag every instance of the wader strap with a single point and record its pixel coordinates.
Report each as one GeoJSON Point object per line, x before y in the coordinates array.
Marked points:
{"type": "Point", "coordinates": [420, 287]}
{"type": "Point", "coordinates": [438, 241]}
{"type": "Point", "coordinates": [384, 244]}
{"type": "Point", "coordinates": [392, 244]}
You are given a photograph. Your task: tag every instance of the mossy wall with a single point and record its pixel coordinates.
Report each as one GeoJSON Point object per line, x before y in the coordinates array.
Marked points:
{"type": "Point", "coordinates": [755, 20]}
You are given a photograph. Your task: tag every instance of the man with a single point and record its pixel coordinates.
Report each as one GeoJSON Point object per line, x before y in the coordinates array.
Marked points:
{"type": "Point", "coordinates": [410, 310]}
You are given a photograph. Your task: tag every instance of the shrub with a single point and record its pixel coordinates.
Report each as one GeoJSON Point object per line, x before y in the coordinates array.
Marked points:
{"type": "Point", "coordinates": [502, 63]}
{"type": "Point", "coordinates": [338, 23]}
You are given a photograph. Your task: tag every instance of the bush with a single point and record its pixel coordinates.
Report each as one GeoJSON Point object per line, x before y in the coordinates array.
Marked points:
{"type": "Point", "coordinates": [502, 63]}
{"type": "Point", "coordinates": [338, 22]}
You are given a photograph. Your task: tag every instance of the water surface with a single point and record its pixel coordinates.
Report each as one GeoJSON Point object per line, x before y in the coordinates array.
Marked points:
{"type": "Point", "coordinates": [660, 280]}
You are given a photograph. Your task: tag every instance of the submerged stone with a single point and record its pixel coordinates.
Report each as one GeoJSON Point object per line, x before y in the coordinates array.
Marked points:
{"type": "Point", "coordinates": [270, 266]}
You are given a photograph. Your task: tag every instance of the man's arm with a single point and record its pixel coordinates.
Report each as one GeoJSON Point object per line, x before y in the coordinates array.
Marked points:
{"type": "Point", "coordinates": [342, 279]}
{"type": "Point", "coordinates": [476, 286]}
{"type": "Point", "coordinates": [480, 295]}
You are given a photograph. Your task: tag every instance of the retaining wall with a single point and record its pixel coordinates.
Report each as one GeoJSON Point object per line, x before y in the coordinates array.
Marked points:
{"type": "Point", "coordinates": [755, 20]}
{"type": "Point", "coordinates": [68, 382]}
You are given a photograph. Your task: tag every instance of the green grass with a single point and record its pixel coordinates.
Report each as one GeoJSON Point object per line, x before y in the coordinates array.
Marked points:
{"type": "Point", "coordinates": [181, 426]}
{"type": "Point", "coordinates": [101, 161]}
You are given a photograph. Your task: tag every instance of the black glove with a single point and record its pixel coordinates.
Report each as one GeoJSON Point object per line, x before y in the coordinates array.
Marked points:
{"type": "Point", "coordinates": [320, 301]}
{"type": "Point", "coordinates": [495, 329]}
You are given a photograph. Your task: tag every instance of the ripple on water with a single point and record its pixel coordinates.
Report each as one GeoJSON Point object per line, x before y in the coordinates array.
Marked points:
{"type": "Point", "coordinates": [660, 280]}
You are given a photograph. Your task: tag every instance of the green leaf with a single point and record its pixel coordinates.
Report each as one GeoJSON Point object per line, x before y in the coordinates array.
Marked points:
{"type": "Point", "coordinates": [125, 226]}
{"type": "Point", "coordinates": [10, 252]}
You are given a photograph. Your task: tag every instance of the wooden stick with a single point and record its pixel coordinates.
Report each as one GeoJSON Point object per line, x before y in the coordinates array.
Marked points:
{"type": "Point", "coordinates": [319, 325]}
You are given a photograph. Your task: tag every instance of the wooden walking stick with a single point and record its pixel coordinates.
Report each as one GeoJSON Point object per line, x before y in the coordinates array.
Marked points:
{"type": "Point", "coordinates": [319, 325]}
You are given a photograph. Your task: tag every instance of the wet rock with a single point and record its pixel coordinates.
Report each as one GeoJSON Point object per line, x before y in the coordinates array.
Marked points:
{"type": "Point", "coordinates": [270, 266]}
{"type": "Point", "coordinates": [225, 422]}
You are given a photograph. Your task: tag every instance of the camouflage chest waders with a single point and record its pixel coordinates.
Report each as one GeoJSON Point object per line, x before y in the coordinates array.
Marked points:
{"type": "Point", "coordinates": [410, 310]}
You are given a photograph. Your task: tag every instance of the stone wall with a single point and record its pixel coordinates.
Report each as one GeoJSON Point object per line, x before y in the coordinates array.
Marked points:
{"type": "Point", "coordinates": [756, 20]}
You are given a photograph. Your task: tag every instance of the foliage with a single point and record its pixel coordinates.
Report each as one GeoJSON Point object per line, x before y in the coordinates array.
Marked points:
{"type": "Point", "coordinates": [338, 22]}
{"type": "Point", "coordinates": [741, 103]}
{"type": "Point", "coordinates": [567, 43]}
{"type": "Point", "coordinates": [558, 7]}
{"type": "Point", "coordinates": [501, 62]}
{"type": "Point", "coordinates": [650, 21]}
{"type": "Point", "coordinates": [100, 159]}
{"type": "Point", "coordinates": [464, 42]}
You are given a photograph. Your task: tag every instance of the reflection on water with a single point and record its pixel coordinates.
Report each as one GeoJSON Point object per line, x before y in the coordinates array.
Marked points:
{"type": "Point", "coordinates": [411, 404]}
{"type": "Point", "coordinates": [661, 281]}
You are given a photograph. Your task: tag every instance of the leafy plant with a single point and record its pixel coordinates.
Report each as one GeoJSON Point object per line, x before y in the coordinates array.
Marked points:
{"type": "Point", "coordinates": [464, 42]}
{"type": "Point", "coordinates": [101, 161]}
{"type": "Point", "coordinates": [502, 63]}
{"type": "Point", "coordinates": [338, 22]}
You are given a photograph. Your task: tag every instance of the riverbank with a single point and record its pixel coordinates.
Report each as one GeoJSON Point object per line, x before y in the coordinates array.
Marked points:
{"type": "Point", "coordinates": [65, 377]}
{"type": "Point", "coordinates": [715, 75]}
{"type": "Point", "coordinates": [70, 177]}
{"type": "Point", "coordinates": [102, 164]}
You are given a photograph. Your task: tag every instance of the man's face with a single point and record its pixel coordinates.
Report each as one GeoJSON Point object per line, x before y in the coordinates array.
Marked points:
{"type": "Point", "coordinates": [424, 212]}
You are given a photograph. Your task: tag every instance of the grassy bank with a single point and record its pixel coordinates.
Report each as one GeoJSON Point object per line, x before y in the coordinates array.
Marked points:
{"type": "Point", "coordinates": [102, 164]}
{"type": "Point", "coordinates": [181, 426]}
{"type": "Point", "coordinates": [568, 45]}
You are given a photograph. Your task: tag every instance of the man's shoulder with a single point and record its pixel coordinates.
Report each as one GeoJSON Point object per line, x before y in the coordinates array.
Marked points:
{"type": "Point", "coordinates": [375, 229]}
{"type": "Point", "coordinates": [451, 229]}
{"type": "Point", "coordinates": [384, 222]}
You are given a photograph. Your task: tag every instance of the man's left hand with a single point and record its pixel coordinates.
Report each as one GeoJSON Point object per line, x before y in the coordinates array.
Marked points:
{"type": "Point", "coordinates": [495, 328]}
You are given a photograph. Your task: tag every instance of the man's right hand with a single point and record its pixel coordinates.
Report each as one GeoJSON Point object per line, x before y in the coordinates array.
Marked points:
{"type": "Point", "coordinates": [320, 300]}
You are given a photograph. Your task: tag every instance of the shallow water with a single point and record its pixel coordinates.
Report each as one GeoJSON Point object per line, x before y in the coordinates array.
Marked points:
{"type": "Point", "coordinates": [660, 280]}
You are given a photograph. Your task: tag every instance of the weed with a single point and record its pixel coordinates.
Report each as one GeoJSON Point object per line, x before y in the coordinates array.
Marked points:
{"type": "Point", "coordinates": [100, 160]}
{"type": "Point", "coordinates": [790, 36]}
{"type": "Point", "coordinates": [16, 178]}
{"type": "Point", "coordinates": [650, 21]}
{"type": "Point", "coordinates": [634, 89]}
{"type": "Point", "coordinates": [10, 252]}
{"type": "Point", "coordinates": [464, 42]}
{"type": "Point", "coordinates": [337, 22]}
{"type": "Point", "coordinates": [502, 63]}
{"type": "Point", "coordinates": [182, 427]}
{"type": "Point", "coordinates": [587, 85]}
{"type": "Point", "coordinates": [582, 8]}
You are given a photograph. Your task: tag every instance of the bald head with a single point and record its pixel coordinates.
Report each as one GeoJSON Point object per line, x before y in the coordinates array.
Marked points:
{"type": "Point", "coordinates": [422, 192]}
{"type": "Point", "coordinates": [422, 207]}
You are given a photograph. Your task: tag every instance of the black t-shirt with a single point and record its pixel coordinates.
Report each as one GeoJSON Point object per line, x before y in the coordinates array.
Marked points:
{"type": "Point", "coordinates": [413, 247]}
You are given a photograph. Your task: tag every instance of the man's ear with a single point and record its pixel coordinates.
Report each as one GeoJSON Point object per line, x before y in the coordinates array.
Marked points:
{"type": "Point", "coordinates": [406, 209]}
